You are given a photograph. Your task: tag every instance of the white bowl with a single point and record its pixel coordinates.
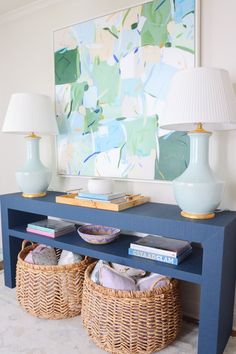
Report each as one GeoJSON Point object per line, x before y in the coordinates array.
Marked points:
{"type": "Point", "coordinates": [100, 186]}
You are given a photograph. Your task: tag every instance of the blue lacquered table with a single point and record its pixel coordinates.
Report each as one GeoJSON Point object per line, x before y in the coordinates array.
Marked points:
{"type": "Point", "coordinates": [212, 264]}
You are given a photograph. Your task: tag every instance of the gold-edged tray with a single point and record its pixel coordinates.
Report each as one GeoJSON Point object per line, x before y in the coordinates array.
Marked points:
{"type": "Point", "coordinates": [132, 200]}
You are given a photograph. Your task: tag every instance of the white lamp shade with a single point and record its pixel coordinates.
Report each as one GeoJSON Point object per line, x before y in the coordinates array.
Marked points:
{"type": "Point", "coordinates": [29, 112]}
{"type": "Point", "coordinates": [200, 95]}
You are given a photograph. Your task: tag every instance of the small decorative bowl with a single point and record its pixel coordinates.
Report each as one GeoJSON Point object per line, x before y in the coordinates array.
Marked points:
{"type": "Point", "coordinates": [98, 234]}
{"type": "Point", "coordinates": [100, 186]}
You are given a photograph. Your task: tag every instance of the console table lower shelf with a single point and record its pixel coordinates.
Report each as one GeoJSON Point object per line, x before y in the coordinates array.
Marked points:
{"type": "Point", "coordinates": [117, 251]}
{"type": "Point", "coordinates": [212, 265]}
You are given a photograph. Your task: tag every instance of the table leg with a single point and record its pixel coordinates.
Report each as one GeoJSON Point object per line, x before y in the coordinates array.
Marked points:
{"type": "Point", "coordinates": [12, 245]}
{"type": "Point", "coordinates": [217, 293]}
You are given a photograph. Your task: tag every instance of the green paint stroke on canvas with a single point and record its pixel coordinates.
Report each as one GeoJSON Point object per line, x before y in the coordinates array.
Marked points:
{"type": "Point", "coordinates": [141, 135]}
{"type": "Point", "coordinates": [121, 148]}
{"type": "Point", "coordinates": [77, 94]}
{"type": "Point", "coordinates": [106, 78]}
{"type": "Point", "coordinates": [185, 48]}
{"type": "Point", "coordinates": [67, 66]}
{"type": "Point", "coordinates": [174, 155]}
{"type": "Point", "coordinates": [154, 31]}
{"type": "Point", "coordinates": [112, 31]}
{"type": "Point", "coordinates": [91, 121]}
{"type": "Point", "coordinates": [125, 17]}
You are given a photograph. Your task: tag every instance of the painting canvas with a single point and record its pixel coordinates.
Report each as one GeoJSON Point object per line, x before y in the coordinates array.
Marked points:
{"type": "Point", "coordinates": [112, 76]}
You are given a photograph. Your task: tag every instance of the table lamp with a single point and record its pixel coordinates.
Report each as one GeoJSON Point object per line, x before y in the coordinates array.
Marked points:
{"type": "Point", "coordinates": [200, 99]}
{"type": "Point", "coordinates": [31, 114]}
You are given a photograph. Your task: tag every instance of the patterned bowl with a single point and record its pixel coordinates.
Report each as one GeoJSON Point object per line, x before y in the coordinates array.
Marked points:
{"type": "Point", "coordinates": [98, 234]}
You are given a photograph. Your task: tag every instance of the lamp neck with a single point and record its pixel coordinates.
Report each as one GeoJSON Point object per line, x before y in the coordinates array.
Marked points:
{"type": "Point", "coordinates": [32, 148]}
{"type": "Point", "coordinates": [199, 129]}
{"type": "Point", "coordinates": [32, 135]}
{"type": "Point", "coordinates": [199, 148]}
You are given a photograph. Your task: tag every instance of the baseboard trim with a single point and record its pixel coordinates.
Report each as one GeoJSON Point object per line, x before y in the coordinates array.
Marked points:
{"type": "Point", "coordinates": [191, 320]}
{"type": "Point", "coordinates": [196, 322]}
{"type": "Point", "coordinates": [233, 334]}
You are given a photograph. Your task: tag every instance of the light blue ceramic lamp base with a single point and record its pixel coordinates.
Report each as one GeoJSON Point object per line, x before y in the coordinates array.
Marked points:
{"type": "Point", "coordinates": [197, 191]}
{"type": "Point", "coordinates": [33, 177]}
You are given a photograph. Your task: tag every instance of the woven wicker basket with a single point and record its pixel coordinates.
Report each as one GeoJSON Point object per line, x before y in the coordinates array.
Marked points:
{"type": "Point", "coordinates": [52, 292]}
{"type": "Point", "coordinates": [131, 322]}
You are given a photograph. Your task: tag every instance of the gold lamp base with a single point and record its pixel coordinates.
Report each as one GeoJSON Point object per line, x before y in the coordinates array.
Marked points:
{"type": "Point", "coordinates": [197, 216]}
{"type": "Point", "coordinates": [31, 195]}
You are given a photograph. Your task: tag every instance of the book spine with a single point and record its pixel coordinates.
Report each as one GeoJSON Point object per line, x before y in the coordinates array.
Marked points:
{"type": "Point", "coordinates": [114, 201]}
{"type": "Point", "coordinates": [153, 250]}
{"type": "Point", "coordinates": [41, 228]}
{"type": "Point", "coordinates": [154, 256]}
{"type": "Point", "coordinates": [39, 232]}
{"type": "Point", "coordinates": [102, 197]}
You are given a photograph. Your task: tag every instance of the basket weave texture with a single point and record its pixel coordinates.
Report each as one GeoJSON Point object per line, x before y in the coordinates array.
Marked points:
{"type": "Point", "coordinates": [52, 292]}
{"type": "Point", "coordinates": [131, 322]}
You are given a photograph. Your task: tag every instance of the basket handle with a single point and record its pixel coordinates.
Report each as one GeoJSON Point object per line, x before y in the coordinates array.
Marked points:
{"type": "Point", "coordinates": [24, 243]}
{"type": "Point", "coordinates": [158, 280]}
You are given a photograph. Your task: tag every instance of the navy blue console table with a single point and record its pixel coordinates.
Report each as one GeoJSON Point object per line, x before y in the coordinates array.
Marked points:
{"type": "Point", "coordinates": [212, 264]}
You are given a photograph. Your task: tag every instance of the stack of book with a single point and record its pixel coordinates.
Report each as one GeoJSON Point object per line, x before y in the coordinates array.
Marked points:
{"type": "Point", "coordinates": [50, 227]}
{"type": "Point", "coordinates": [107, 198]}
{"type": "Point", "coordinates": [161, 249]}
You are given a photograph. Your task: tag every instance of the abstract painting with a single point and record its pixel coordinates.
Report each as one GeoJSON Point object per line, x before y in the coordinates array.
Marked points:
{"type": "Point", "coordinates": [112, 76]}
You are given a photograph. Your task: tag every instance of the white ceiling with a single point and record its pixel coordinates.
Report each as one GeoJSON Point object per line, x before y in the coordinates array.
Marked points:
{"type": "Point", "coordinates": [10, 5]}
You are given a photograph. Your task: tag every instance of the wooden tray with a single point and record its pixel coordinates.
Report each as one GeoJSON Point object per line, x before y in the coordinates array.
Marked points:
{"type": "Point", "coordinates": [132, 200]}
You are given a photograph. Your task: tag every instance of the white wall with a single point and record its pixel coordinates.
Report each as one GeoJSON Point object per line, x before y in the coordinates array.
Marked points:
{"type": "Point", "coordinates": [26, 64]}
